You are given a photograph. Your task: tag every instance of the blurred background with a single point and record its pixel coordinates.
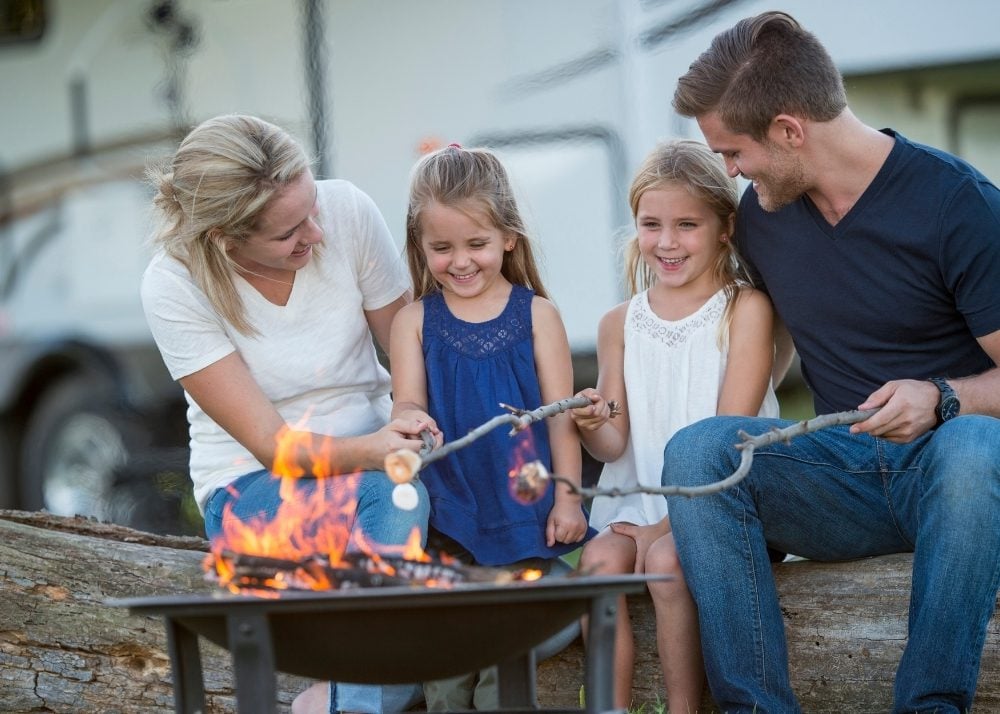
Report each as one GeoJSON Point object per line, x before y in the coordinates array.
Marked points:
{"type": "Point", "coordinates": [570, 93]}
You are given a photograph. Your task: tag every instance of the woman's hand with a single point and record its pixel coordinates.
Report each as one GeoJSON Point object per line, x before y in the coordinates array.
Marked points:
{"type": "Point", "coordinates": [594, 416]}
{"type": "Point", "coordinates": [425, 422]}
{"type": "Point", "coordinates": [400, 433]}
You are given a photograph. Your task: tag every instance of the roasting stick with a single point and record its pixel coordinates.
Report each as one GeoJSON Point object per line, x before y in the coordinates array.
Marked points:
{"type": "Point", "coordinates": [533, 477]}
{"type": "Point", "coordinates": [403, 466]}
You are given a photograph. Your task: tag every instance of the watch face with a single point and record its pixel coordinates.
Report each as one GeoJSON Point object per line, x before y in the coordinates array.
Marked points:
{"type": "Point", "coordinates": [949, 407]}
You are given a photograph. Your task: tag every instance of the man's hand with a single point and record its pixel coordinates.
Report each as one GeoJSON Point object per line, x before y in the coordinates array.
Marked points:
{"type": "Point", "coordinates": [907, 410]}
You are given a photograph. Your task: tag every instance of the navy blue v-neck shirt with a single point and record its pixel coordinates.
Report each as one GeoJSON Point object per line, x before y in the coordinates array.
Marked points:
{"type": "Point", "coordinates": [899, 288]}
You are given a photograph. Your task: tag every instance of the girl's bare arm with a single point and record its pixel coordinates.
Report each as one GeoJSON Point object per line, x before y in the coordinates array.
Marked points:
{"type": "Point", "coordinates": [605, 438]}
{"type": "Point", "coordinates": [751, 355]}
{"type": "Point", "coordinates": [554, 365]}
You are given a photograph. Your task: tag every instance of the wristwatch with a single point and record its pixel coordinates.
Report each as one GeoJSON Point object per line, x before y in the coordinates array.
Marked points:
{"type": "Point", "coordinates": [948, 406]}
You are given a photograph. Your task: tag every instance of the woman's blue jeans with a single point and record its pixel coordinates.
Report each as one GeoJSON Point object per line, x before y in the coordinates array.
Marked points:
{"type": "Point", "coordinates": [256, 495]}
{"type": "Point", "coordinates": [830, 496]}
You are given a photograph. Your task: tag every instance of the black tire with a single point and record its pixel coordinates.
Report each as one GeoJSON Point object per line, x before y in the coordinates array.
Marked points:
{"type": "Point", "coordinates": [76, 442]}
{"type": "Point", "coordinates": [8, 468]}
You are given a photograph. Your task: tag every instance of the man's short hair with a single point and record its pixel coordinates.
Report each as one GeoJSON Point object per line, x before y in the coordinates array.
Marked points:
{"type": "Point", "coordinates": [761, 67]}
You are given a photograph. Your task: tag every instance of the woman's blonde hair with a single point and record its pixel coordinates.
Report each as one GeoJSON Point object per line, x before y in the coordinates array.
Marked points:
{"type": "Point", "coordinates": [462, 178]}
{"type": "Point", "coordinates": [700, 171]}
{"type": "Point", "coordinates": [212, 193]}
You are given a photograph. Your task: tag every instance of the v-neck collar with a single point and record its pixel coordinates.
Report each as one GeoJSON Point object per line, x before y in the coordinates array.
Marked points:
{"type": "Point", "coordinates": [867, 196]}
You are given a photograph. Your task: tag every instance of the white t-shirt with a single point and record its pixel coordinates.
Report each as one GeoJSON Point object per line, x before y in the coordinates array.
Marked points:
{"type": "Point", "coordinates": [673, 373]}
{"type": "Point", "coordinates": [314, 357]}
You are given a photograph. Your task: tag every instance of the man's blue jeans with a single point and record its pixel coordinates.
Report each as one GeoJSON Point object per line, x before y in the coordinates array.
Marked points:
{"type": "Point", "coordinates": [831, 495]}
{"type": "Point", "coordinates": [375, 516]}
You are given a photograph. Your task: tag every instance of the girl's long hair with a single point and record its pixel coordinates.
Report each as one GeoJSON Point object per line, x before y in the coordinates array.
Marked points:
{"type": "Point", "coordinates": [467, 179]}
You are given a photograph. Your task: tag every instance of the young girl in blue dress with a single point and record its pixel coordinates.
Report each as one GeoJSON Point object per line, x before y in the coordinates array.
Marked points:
{"type": "Point", "coordinates": [482, 332]}
{"type": "Point", "coordinates": [693, 341]}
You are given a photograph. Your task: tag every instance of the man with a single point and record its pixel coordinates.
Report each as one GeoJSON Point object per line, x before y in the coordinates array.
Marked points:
{"type": "Point", "coordinates": [882, 258]}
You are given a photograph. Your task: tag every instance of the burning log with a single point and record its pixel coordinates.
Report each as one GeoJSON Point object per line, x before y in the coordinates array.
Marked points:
{"type": "Point", "coordinates": [255, 574]}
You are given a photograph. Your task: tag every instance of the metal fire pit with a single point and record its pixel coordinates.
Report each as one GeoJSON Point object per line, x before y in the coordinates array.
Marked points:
{"type": "Point", "coordinates": [391, 635]}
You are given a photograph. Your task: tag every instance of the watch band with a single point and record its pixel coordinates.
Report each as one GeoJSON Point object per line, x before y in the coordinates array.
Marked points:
{"type": "Point", "coordinates": [948, 405]}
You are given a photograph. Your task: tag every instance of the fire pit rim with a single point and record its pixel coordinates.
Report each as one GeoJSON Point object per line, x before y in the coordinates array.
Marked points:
{"type": "Point", "coordinates": [373, 598]}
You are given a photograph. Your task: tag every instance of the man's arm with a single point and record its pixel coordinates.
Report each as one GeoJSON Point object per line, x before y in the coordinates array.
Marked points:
{"type": "Point", "coordinates": [981, 394]}
{"type": "Point", "coordinates": [907, 405]}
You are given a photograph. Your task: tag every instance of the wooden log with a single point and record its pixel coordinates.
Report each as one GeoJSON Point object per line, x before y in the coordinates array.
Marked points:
{"type": "Point", "coordinates": [62, 649]}
{"type": "Point", "coordinates": [846, 628]}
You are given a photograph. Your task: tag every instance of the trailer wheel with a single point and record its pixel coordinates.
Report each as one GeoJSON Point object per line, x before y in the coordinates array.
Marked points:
{"type": "Point", "coordinates": [8, 465]}
{"type": "Point", "coordinates": [76, 441]}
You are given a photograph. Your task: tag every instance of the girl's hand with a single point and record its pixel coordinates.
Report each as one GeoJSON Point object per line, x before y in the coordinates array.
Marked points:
{"type": "Point", "coordinates": [594, 416]}
{"type": "Point", "coordinates": [643, 537]}
{"type": "Point", "coordinates": [566, 523]}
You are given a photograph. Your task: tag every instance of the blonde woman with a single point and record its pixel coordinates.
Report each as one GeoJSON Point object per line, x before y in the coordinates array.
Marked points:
{"type": "Point", "coordinates": [264, 297]}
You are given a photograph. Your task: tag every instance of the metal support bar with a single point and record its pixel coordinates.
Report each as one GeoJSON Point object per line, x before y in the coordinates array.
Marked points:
{"type": "Point", "coordinates": [599, 679]}
{"type": "Point", "coordinates": [253, 662]}
{"type": "Point", "coordinates": [516, 682]}
{"type": "Point", "coordinates": [185, 663]}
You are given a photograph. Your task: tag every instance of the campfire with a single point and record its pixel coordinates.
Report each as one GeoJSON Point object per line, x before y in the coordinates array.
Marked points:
{"type": "Point", "coordinates": [308, 545]}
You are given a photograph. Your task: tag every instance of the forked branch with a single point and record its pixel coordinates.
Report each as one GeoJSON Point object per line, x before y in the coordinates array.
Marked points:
{"type": "Point", "coordinates": [747, 446]}
{"type": "Point", "coordinates": [402, 466]}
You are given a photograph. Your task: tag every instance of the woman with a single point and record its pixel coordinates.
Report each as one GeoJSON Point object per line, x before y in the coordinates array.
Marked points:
{"type": "Point", "coordinates": [263, 298]}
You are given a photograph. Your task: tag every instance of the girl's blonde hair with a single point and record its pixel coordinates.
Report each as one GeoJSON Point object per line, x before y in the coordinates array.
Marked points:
{"type": "Point", "coordinates": [457, 177]}
{"type": "Point", "coordinates": [211, 194]}
{"type": "Point", "coordinates": [701, 172]}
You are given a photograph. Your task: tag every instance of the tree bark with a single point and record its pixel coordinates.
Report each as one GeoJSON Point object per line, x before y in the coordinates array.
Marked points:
{"type": "Point", "coordinates": [846, 628]}
{"type": "Point", "coordinates": [62, 649]}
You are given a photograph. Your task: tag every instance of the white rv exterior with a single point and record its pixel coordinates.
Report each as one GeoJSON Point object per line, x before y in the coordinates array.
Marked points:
{"type": "Point", "coordinates": [571, 93]}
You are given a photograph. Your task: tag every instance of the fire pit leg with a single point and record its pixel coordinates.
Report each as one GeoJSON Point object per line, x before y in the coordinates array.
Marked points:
{"type": "Point", "coordinates": [516, 682]}
{"type": "Point", "coordinates": [599, 678]}
{"type": "Point", "coordinates": [185, 663]}
{"type": "Point", "coordinates": [253, 663]}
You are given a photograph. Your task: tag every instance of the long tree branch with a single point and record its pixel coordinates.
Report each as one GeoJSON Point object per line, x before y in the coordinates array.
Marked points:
{"type": "Point", "coordinates": [747, 447]}
{"type": "Point", "coordinates": [403, 465]}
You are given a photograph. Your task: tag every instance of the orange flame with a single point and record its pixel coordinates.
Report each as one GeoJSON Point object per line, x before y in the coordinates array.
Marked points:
{"type": "Point", "coordinates": [308, 522]}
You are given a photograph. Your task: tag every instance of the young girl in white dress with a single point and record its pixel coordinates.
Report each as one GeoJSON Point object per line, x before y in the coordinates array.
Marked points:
{"type": "Point", "coordinates": [693, 341]}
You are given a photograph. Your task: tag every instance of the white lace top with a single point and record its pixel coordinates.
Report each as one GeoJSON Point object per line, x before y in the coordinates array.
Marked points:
{"type": "Point", "coordinates": [673, 372]}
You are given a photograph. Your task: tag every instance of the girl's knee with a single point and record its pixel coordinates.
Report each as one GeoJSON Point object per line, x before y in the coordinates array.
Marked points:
{"type": "Point", "coordinates": [661, 558]}
{"type": "Point", "coordinates": [607, 553]}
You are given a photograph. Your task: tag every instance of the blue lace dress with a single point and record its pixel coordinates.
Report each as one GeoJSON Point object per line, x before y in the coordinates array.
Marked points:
{"type": "Point", "coordinates": [472, 368]}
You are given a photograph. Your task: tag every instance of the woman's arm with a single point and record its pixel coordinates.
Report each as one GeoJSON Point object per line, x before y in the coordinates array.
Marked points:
{"type": "Point", "coordinates": [603, 437]}
{"type": "Point", "coordinates": [554, 364]}
{"type": "Point", "coordinates": [228, 394]}
{"type": "Point", "coordinates": [751, 355]}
